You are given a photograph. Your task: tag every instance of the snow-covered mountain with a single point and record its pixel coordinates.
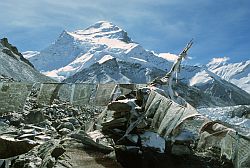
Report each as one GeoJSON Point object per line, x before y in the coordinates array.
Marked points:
{"type": "Point", "coordinates": [236, 73]}
{"type": "Point", "coordinates": [219, 88]}
{"type": "Point", "coordinates": [74, 51]}
{"type": "Point", "coordinates": [14, 67]}
{"type": "Point", "coordinates": [104, 53]}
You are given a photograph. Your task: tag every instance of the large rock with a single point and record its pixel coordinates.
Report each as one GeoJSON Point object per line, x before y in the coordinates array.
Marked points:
{"type": "Point", "coordinates": [11, 147]}
{"type": "Point", "coordinates": [44, 155]}
{"type": "Point", "coordinates": [121, 105]}
{"type": "Point", "coordinates": [97, 141]}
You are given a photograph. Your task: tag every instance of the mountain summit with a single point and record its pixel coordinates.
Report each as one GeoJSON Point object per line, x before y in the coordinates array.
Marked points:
{"type": "Point", "coordinates": [102, 29]}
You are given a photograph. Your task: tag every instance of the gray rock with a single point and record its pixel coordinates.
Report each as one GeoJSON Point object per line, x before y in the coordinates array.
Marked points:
{"type": "Point", "coordinates": [3, 124]}
{"type": "Point", "coordinates": [27, 136]}
{"type": "Point", "coordinates": [16, 119]}
{"type": "Point", "coordinates": [44, 155]}
{"type": "Point", "coordinates": [133, 138]}
{"type": "Point", "coordinates": [120, 106]}
{"type": "Point", "coordinates": [67, 125]}
{"type": "Point", "coordinates": [114, 123]}
{"type": "Point", "coordinates": [180, 150]}
{"type": "Point", "coordinates": [11, 147]}
{"type": "Point", "coordinates": [121, 97]}
{"type": "Point", "coordinates": [72, 120]}
{"type": "Point", "coordinates": [2, 163]}
{"type": "Point", "coordinates": [64, 131]}
{"type": "Point", "coordinates": [57, 152]}
{"type": "Point", "coordinates": [34, 116]}
{"type": "Point", "coordinates": [88, 141]}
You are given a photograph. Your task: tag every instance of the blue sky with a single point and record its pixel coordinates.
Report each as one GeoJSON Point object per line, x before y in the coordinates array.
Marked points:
{"type": "Point", "coordinates": [219, 27]}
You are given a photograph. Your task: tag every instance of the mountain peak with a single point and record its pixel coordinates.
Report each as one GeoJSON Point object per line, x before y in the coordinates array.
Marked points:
{"type": "Point", "coordinates": [102, 29]}
{"type": "Point", "coordinates": [217, 62]}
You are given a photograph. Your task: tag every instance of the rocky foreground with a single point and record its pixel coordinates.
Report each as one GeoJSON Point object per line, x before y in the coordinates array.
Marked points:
{"type": "Point", "coordinates": [50, 136]}
{"type": "Point", "coordinates": [139, 127]}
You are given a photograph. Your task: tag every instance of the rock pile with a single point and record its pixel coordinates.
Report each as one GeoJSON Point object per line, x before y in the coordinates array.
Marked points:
{"type": "Point", "coordinates": [35, 136]}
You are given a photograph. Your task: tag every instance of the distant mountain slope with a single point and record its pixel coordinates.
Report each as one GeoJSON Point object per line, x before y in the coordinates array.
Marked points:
{"type": "Point", "coordinates": [114, 71]}
{"type": "Point", "coordinates": [14, 66]}
{"type": "Point", "coordinates": [219, 88]}
{"type": "Point", "coordinates": [236, 73]}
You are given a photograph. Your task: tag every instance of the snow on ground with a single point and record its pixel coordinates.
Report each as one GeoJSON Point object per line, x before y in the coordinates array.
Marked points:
{"type": "Point", "coordinates": [138, 59]}
{"type": "Point", "coordinates": [168, 56]}
{"type": "Point", "coordinates": [225, 114]}
{"type": "Point", "coordinates": [29, 54]}
{"type": "Point", "coordinates": [200, 78]}
{"type": "Point", "coordinates": [105, 58]}
{"type": "Point", "coordinates": [54, 75]}
{"type": "Point", "coordinates": [153, 140]}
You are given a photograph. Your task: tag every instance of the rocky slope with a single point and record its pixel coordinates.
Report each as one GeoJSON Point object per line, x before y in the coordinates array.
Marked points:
{"type": "Point", "coordinates": [15, 67]}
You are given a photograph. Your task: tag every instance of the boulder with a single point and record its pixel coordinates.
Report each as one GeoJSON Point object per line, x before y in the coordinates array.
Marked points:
{"type": "Point", "coordinates": [44, 155]}
{"type": "Point", "coordinates": [98, 145]}
{"type": "Point", "coordinates": [16, 119]}
{"type": "Point", "coordinates": [121, 105]}
{"type": "Point", "coordinates": [64, 131]}
{"type": "Point", "coordinates": [67, 125]}
{"type": "Point", "coordinates": [57, 152]}
{"type": "Point", "coordinates": [11, 147]}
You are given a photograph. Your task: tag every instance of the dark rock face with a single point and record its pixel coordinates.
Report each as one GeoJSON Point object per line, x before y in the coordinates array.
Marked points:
{"type": "Point", "coordinates": [10, 147]}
